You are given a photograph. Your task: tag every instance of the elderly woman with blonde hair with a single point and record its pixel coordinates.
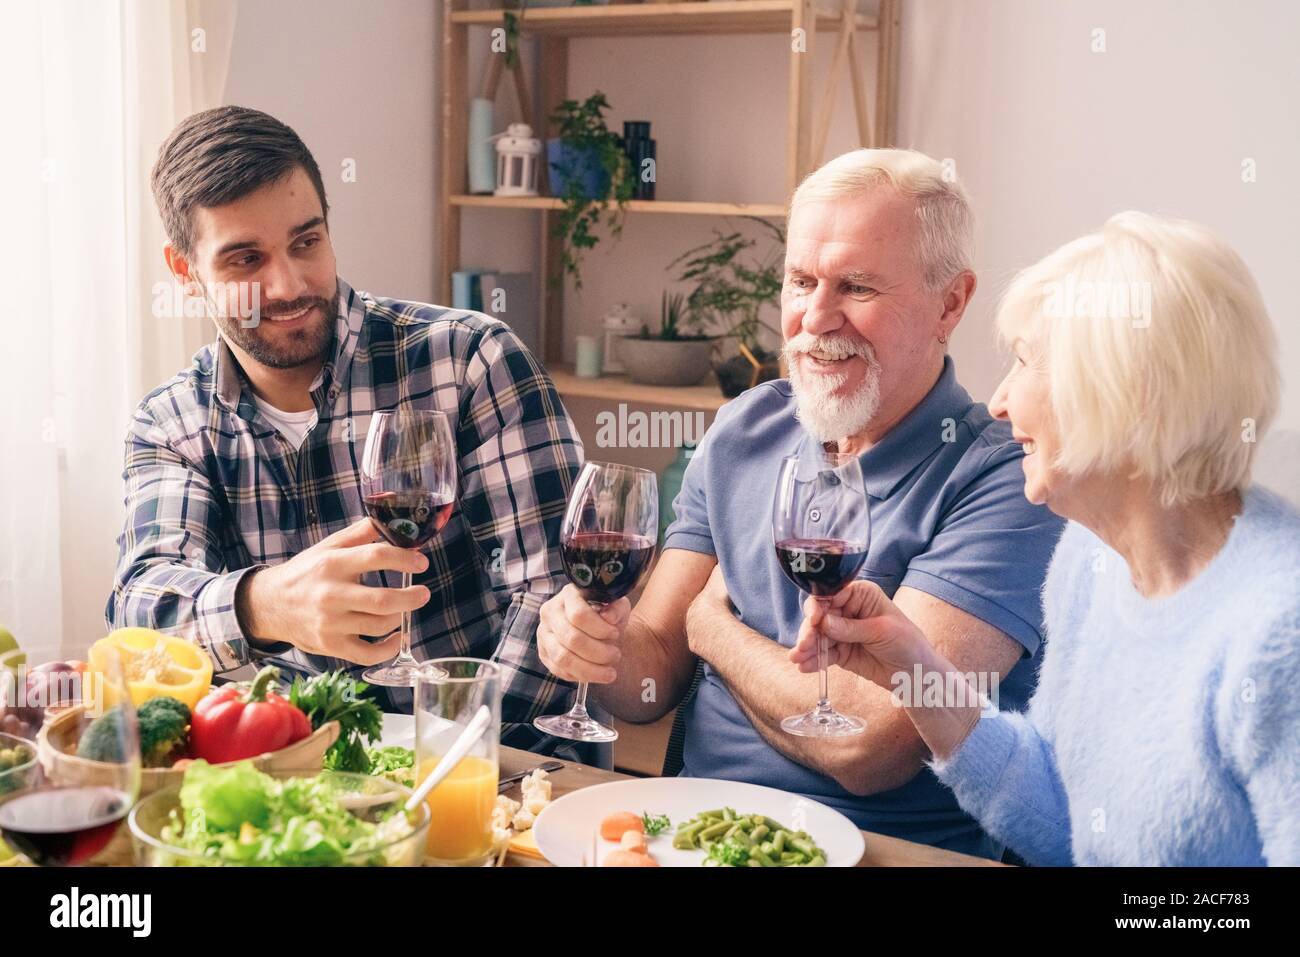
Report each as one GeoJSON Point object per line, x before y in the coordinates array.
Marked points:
{"type": "Point", "coordinates": [1165, 728]}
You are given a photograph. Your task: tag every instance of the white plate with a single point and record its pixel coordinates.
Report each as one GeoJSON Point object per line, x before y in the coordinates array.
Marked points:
{"type": "Point", "coordinates": [569, 822]}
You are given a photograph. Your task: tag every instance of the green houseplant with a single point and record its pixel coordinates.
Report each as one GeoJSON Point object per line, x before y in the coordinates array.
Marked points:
{"type": "Point", "coordinates": [678, 354]}
{"type": "Point", "coordinates": [731, 291]}
{"type": "Point", "coordinates": [588, 168]}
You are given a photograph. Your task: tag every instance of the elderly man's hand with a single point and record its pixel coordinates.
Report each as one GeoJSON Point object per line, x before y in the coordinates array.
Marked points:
{"type": "Point", "coordinates": [578, 642]}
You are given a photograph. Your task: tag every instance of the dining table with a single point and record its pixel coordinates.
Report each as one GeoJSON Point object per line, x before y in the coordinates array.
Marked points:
{"type": "Point", "coordinates": [881, 849]}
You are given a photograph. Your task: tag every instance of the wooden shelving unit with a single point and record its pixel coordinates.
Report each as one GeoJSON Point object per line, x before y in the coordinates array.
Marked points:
{"type": "Point", "coordinates": [676, 206]}
{"type": "Point", "coordinates": [552, 28]}
{"type": "Point", "coordinates": [704, 398]}
{"type": "Point", "coordinates": [640, 19]}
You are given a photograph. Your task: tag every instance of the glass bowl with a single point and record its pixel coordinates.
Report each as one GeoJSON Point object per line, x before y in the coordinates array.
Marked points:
{"type": "Point", "coordinates": [20, 775]}
{"type": "Point", "coordinates": [16, 778]}
{"type": "Point", "coordinates": [369, 798]}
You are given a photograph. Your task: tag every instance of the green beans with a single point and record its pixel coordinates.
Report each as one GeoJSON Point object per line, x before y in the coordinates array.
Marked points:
{"type": "Point", "coordinates": [747, 840]}
{"type": "Point", "coordinates": [715, 830]}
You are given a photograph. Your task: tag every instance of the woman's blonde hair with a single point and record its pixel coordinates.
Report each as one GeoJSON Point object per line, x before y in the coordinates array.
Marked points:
{"type": "Point", "coordinates": [946, 223]}
{"type": "Point", "coordinates": [1159, 353]}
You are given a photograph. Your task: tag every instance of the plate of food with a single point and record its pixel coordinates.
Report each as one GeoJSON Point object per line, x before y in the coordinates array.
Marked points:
{"type": "Point", "coordinates": [694, 822]}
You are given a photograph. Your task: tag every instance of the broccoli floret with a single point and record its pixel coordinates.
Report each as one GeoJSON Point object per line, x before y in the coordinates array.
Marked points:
{"type": "Point", "coordinates": [102, 741]}
{"type": "Point", "coordinates": [162, 724]}
{"type": "Point", "coordinates": [163, 736]}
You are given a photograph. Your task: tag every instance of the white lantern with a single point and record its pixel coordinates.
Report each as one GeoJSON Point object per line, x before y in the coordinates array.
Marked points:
{"type": "Point", "coordinates": [618, 322]}
{"type": "Point", "coordinates": [517, 155]}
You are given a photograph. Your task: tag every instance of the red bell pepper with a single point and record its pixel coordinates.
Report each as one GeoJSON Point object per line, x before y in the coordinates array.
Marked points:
{"type": "Point", "coordinates": [236, 722]}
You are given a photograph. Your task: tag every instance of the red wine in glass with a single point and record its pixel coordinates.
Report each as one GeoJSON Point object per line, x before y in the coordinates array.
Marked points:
{"type": "Point", "coordinates": [409, 472]}
{"type": "Point", "coordinates": [821, 527]}
{"type": "Point", "coordinates": [607, 544]}
{"type": "Point", "coordinates": [605, 566]}
{"type": "Point", "coordinates": [56, 819]}
{"type": "Point", "coordinates": [820, 566]}
{"type": "Point", "coordinates": [408, 519]}
{"type": "Point", "coordinates": [58, 827]}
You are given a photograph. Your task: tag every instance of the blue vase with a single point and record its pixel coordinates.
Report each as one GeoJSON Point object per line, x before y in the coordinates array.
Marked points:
{"type": "Point", "coordinates": [580, 164]}
{"type": "Point", "coordinates": [670, 483]}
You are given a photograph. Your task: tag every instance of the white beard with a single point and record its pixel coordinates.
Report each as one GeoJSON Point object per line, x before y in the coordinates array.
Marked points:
{"type": "Point", "coordinates": [829, 417]}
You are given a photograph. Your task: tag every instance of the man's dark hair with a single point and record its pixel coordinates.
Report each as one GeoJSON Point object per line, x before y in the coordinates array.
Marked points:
{"type": "Point", "coordinates": [216, 157]}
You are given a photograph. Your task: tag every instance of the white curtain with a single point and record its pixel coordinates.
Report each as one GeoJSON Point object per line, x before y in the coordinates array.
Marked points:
{"type": "Point", "coordinates": [91, 90]}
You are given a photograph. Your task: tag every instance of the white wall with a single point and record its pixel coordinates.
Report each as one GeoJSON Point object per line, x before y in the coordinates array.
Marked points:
{"type": "Point", "coordinates": [356, 81]}
{"type": "Point", "coordinates": [1051, 138]}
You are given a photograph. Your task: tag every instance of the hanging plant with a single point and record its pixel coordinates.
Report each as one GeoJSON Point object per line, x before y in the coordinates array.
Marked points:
{"type": "Point", "coordinates": [510, 21]}
{"type": "Point", "coordinates": [594, 175]}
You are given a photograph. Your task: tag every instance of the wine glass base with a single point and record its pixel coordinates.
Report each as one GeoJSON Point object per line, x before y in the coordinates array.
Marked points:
{"type": "Point", "coordinates": [823, 724]}
{"type": "Point", "coordinates": [399, 674]}
{"type": "Point", "coordinates": [575, 729]}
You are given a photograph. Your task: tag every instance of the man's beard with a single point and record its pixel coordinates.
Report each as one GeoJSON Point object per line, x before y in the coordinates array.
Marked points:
{"type": "Point", "coordinates": [829, 417]}
{"type": "Point", "coordinates": [303, 346]}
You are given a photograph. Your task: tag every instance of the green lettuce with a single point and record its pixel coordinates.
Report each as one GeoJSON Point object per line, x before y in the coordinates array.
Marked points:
{"type": "Point", "coordinates": [243, 816]}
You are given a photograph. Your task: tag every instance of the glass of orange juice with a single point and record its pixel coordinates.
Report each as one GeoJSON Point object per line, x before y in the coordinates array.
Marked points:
{"type": "Point", "coordinates": [447, 696]}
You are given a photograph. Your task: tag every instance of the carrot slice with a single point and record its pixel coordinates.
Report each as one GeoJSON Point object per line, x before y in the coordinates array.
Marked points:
{"type": "Point", "coordinates": [618, 823]}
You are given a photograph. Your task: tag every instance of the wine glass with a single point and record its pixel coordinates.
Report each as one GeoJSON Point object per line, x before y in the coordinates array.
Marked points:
{"type": "Point", "coordinates": [821, 530]}
{"type": "Point", "coordinates": [607, 544]}
{"type": "Point", "coordinates": [408, 486]}
{"type": "Point", "coordinates": [69, 817]}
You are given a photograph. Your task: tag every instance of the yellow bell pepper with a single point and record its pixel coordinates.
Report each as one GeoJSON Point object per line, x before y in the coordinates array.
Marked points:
{"type": "Point", "coordinates": [154, 665]}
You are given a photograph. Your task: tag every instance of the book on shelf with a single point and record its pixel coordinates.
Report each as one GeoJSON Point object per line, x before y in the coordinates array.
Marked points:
{"type": "Point", "coordinates": [508, 296]}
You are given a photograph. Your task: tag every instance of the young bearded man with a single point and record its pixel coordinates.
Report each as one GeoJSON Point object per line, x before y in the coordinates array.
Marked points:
{"type": "Point", "coordinates": [245, 528]}
{"type": "Point", "coordinates": [877, 276]}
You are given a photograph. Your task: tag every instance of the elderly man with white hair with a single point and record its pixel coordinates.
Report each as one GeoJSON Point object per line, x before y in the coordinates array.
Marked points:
{"type": "Point", "coordinates": [877, 277]}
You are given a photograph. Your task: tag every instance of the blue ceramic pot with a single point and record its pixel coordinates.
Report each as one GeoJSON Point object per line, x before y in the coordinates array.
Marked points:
{"type": "Point", "coordinates": [581, 164]}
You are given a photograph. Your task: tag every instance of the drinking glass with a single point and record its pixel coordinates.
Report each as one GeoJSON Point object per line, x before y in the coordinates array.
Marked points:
{"type": "Point", "coordinates": [447, 697]}
{"type": "Point", "coordinates": [821, 529]}
{"type": "Point", "coordinates": [67, 821]}
{"type": "Point", "coordinates": [607, 544]}
{"type": "Point", "coordinates": [408, 485]}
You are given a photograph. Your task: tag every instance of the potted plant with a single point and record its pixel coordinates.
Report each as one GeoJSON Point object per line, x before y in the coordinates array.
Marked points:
{"type": "Point", "coordinates": [731, 293]}
{"type": "Point", "coordinates": [674, 355]}
{"type": "Point", "coordinates": [587, 167]}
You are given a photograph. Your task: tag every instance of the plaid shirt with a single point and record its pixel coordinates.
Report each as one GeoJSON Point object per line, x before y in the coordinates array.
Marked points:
{"type": "Point", "coordinates": [213, 490]}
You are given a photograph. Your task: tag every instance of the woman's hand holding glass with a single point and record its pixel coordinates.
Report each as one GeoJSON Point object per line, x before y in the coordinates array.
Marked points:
{"type": "Point", "coordinates": [866, 634]}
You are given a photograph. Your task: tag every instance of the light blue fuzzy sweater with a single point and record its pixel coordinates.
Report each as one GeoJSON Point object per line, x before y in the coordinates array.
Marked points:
{"type": "Point", "coordinates": [1163, 731]}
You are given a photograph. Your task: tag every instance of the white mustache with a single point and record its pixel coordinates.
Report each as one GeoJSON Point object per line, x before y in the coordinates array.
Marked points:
{"type": "Point", "coordinates": [837, 347]}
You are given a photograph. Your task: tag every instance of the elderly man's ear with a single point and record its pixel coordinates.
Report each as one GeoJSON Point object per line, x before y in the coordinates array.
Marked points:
{"type": "Point", "coordinates": [955, 299]}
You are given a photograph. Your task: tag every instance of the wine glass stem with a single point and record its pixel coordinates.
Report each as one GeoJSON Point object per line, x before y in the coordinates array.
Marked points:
{"type": "Point", "coordinates": [823, 697]}
{"type": "Point", "coordinates": [579, 709]}
{"type": "Point", "coordinates": [404, 650]}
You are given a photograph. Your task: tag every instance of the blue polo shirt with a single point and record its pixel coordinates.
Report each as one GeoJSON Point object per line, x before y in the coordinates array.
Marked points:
{"type": "Point", "coordinates": [948, 517]}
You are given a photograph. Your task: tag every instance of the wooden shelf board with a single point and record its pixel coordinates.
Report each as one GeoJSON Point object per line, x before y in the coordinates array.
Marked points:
{"type": "Point", "coordinates": [676, 206]}
{"type": "Point", "coordinates": [633, 19]}
{"type": "Point", "coordinates": [617, 388]}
